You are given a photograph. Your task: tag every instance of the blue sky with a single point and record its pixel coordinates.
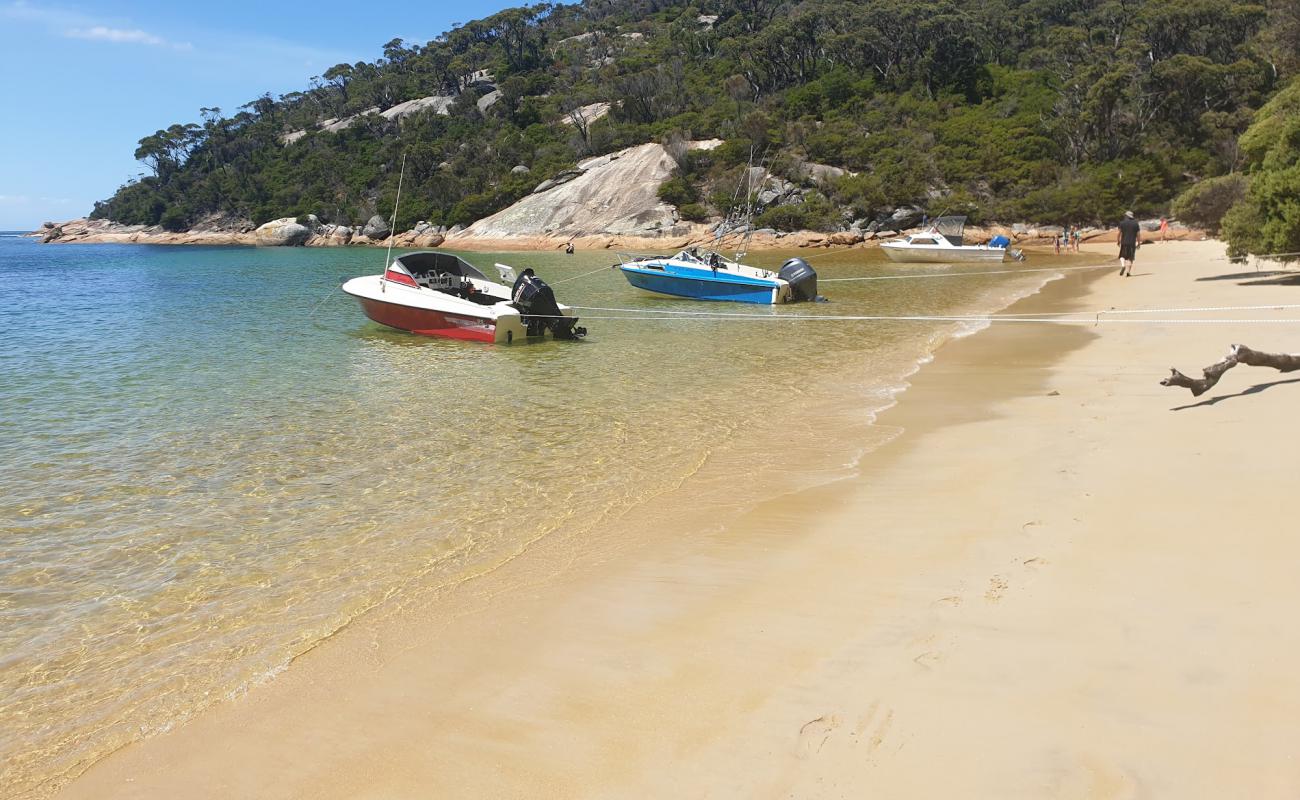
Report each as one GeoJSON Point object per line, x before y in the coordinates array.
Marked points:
{"type": "Point", "coordinates": [84, 82]}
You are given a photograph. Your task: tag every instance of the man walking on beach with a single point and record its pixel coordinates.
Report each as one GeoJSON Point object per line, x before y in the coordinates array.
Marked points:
{"type": "Point", "coordinates": [1127, 237]}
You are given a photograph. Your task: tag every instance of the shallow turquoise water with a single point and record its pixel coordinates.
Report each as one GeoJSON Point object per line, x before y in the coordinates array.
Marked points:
{"type": "Point", "coordinates": [211, 460]}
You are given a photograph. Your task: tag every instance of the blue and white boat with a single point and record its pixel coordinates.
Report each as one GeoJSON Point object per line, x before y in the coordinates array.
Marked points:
{"type": "Point", "coordinates": [709, 276]}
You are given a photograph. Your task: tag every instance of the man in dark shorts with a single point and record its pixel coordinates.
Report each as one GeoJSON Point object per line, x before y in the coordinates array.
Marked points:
{"type": "Point", "coordinates": [1128, 242]}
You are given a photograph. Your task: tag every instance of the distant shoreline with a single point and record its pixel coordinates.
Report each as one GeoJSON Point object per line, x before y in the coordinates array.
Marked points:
{"type": "Point", "coordinates": [84, 231]}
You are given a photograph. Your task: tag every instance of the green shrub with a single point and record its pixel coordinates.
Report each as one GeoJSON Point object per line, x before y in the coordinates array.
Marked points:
{"type": "Point", "coordinates": [863, 192]}
{"type": "Point", "coordinates": [174, 220]}
{"type": "Point", "coordinates": [815, 213]}
{"type": "Point", "coordinates": [1205, 203]}
{"type": "Point", "coordinates": [678, 191]}
{"type": "Point", "coordinates": [733, 152]}
{"type": "Point", "coordinates": [1267, 219]}
{"type": "Point", "coordinates": [693, 212]}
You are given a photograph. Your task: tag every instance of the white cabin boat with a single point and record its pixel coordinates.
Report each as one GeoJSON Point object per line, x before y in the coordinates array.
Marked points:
{"type": "Point", "coordinates": [942, 243]}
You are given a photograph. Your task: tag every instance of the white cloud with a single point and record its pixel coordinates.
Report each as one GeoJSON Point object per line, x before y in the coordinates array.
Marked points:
{"type": "Point", "coordinates": [14, 199]}
{"type": "Point", "coordinates": [75, 25]}
{"type": "Point", "coordinates": [106, 34]}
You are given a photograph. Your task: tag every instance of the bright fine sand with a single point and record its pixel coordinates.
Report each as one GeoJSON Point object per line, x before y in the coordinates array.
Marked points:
{"type": "Point", "coordinates": [1062, 580]}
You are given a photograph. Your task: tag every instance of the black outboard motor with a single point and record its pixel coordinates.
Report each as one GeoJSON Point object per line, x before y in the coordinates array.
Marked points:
{"type": "Point", "coordinates": [538, 309]}
{"type": "Point", "coordinates": [801, 277]}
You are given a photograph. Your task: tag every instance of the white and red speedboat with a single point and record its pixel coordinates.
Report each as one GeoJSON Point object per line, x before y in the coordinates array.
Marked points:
{"type": "Point", "coordinates": [439, 294]}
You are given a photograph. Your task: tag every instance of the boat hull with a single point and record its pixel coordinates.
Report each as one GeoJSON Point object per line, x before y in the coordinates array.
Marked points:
{"type": "Point", "coordinates": [703, 288]}
{"type": "Point", "coordinates": [943, 255]}
{"type": "Point", "coordinates": [428, 322]}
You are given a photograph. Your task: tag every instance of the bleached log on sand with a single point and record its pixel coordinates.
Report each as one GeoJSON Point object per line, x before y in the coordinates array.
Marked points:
{"type": "Point", "coordinates": [1239, 354]}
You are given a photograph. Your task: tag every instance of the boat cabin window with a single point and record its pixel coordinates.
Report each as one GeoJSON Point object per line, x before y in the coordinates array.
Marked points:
{"type": "Point", "coordinates": [923, 240]}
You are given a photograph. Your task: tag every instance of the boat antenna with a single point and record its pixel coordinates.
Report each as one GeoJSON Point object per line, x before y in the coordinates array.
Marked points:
{"type": "Point", "coordinates": [733, 211]}
{"type": "Point", "coordinates": [743, 247]}
{"type": "Point", "coordinates": [392, 225]}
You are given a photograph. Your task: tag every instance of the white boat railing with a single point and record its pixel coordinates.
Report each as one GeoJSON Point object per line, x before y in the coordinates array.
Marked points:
{"type": "Point", "coordinates": [626, 258]}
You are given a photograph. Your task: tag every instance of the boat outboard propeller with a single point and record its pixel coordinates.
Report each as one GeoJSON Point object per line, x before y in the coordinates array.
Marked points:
{"type": "Point", "coordinates": [538, 309]}
{"type": "Point", "coordinates": [802, 279]}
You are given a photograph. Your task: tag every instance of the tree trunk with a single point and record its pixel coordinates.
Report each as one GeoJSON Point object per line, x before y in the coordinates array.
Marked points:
{"type": "Point", "coordinates": [1239, 354]}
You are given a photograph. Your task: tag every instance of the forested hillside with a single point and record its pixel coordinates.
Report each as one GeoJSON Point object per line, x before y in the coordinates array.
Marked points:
{"type": "Point", "coordinates": [1044, 110]}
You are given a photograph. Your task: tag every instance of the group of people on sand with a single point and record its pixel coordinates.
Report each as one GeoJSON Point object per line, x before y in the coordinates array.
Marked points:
{"type": "Point", "coordinates": [1070, 238]}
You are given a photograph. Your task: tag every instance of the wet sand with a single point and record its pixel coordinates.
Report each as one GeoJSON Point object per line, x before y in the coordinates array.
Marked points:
{"type": "Point", "coordinates": [1062, 580]}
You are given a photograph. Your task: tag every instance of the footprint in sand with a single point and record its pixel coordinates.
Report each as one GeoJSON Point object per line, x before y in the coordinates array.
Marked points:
{"type": "Point", "coordinates": [1035, 562]}
{"type": "Point", "coordinates": [814, 733]}
{"type": "Point", "coordinates": [929, 658]}
{"type": "Point", "coordinates": [951, 600]}
{"type": "Point", "coordinates": [997, 588]}
{"type": "Point", "coordinates": [873, 726]}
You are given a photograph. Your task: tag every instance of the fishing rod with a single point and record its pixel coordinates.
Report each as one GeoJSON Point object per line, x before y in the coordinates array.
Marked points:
{"type": "Point", "coordinates": [392, 228]}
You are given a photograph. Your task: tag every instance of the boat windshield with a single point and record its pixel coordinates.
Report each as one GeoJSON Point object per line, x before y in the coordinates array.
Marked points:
{"type": "Point", "coordinates": [435, 263]}
{"type": "Point", "coordinates": [951, 228]}
{"type": "Point", "coordinates": [707, 257]}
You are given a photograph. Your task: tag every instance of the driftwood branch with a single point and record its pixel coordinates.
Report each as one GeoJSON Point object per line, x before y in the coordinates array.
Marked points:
{"type": "Point", "coordinates": [1239, 354]}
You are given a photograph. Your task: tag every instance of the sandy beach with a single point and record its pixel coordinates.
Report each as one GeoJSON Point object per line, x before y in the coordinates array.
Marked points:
{"type": "Point", "coordinates": [1061, 580]}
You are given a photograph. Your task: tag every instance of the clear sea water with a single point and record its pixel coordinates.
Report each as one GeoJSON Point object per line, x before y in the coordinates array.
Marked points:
{"type": "Point", "coordinates": [210, 460]}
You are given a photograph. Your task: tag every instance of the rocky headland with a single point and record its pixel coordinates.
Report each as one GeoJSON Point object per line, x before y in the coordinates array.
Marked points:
{"type": "Point", "coordinates": [610, 201]}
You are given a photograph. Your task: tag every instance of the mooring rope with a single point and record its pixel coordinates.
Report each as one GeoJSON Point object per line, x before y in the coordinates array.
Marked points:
{"type": "Point", "coordinates": [326, 298]}
{"type": "Point", "coordinates": [1024, 271]}
{"type": "Point", "coordinates": [583, 275]}
{"type": "Point", "coordinates": [962, 274]}
{"type": "Point", "coordinates": [1186, 310]}
{"type": "Point", "coordinates": [1057, 318]}
{"type": "Point", "coordinates": [1041, 320]}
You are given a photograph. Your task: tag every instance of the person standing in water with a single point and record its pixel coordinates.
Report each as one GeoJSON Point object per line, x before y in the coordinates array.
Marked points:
{"type": "Point", "coordinates": [1127, 238]}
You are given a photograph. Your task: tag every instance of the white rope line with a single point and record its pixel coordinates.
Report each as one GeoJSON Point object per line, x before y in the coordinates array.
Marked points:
{"type": "Point", "coordinates": [668, 314]}
{"type": "Point", "coordinates": [944, 318]}
{"type": "Point", "coordinates": [1198, 309]}
{"type": "Point", "coordinates": [962, 274]}
{"type": "Point", "coordinates": [583, 275]}
{"type": "Point", "coordinates": [1188, 310]}
{"type": "Point", "coordinates": [1110, 265]}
